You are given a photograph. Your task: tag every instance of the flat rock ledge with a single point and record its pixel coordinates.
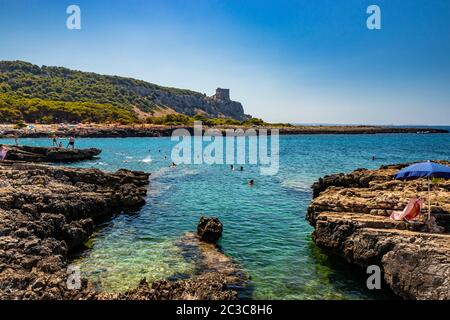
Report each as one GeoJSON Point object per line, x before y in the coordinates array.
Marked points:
{"type": "Point", "coordinates": [43, 154]}
{"type": "Point", "coordinates": [350, 215]}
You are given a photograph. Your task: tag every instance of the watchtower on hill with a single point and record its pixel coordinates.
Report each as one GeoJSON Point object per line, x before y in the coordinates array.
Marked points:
{"type": "Point", "coordinates": [222, 94]}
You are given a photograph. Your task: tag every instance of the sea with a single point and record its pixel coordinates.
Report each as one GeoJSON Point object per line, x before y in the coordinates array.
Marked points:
{"type": "Point", "coordinates": [265, 230]}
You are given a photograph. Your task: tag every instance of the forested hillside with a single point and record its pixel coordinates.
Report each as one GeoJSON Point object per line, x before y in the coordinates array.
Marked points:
{"type": "Point", "coordinates": [61, 94]}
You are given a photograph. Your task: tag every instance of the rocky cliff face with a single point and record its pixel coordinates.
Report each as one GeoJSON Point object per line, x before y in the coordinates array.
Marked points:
{"type": "Point", "coordinates": [191, 105]}
{"type": "Point", "coordinates": [350, 215]}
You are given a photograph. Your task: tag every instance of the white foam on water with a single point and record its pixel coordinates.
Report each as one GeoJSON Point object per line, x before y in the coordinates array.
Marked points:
{"type": "Point", "coordinates": [147, 159]}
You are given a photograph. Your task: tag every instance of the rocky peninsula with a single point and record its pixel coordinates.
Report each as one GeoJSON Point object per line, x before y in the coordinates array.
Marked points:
{"type": "Point", "coordinates": [350, 215]}
{"type": "Point", "coordinates": [47, 212]}
{"type": "Point", "coordinates": [44, 154]}
{"type": "Point", "coordinates": [150, 130]}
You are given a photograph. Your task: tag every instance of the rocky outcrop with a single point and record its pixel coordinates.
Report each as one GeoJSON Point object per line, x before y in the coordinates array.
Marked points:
{"type": "Point", "coordinates": [46, 213]}
{"type": "Point", "coordinates": [209, 229]}
{"type": "Point", "coordinates": [43, 154]}
{"type": "Point", "coordinates": [350, 216]}
{"type": "Point", "coordinates": [192, 104]}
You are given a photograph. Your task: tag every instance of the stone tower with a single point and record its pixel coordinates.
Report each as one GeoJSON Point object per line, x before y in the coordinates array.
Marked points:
{"type": "Point", "coordinates": [222, 94]}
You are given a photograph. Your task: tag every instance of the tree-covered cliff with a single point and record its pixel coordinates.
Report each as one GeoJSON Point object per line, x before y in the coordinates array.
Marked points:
{"type": "Point", "coordinates": [55, 87]}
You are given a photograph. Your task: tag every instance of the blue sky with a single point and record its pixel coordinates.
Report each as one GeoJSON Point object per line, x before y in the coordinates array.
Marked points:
{"type": "Point", "coordinates": [286, 61]}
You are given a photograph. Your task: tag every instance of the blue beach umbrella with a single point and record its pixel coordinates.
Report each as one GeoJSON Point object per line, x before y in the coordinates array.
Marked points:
{"type": "Point", "coordinates": [427, 170]}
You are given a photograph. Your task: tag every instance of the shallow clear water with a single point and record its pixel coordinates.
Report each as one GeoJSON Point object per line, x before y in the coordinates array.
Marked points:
{"type": "Point", "coordinates": [264, 226]}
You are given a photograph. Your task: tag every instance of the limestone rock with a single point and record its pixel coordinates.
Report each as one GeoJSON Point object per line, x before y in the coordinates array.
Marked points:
{"type": "Point", "coordinates": [46, 212]}
{"type": "Point", "coordinates": [350, 212]}
{"type": "Point", "coordinates": [209, 229]}
{"type": "Point", "coordinates": [42, 154]}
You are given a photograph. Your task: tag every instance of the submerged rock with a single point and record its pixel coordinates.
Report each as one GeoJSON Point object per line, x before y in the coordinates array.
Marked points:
{"type": "Point", "coordinates": [43, 154]}
{"type": "Point", "coordinates": [209, 286]}
{"type": "Point", "coordinates": [209, 229]}
{"type": "Point", "coordinates": [216, 277]}
{"type": "Point", "coordinates": [350, 215]}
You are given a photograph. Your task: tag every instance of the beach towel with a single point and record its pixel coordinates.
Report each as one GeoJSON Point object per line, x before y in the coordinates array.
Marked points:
{"type": "Point", "coordinates": [411, 211]}
{"type": "Point", "coordinates": [3, 153]}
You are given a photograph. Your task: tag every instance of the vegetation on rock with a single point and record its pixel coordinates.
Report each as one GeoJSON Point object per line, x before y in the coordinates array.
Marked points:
{"type": "Point", "coordinates": [69, 95]}
{"type": "Point", "coordinates": [15, 109]}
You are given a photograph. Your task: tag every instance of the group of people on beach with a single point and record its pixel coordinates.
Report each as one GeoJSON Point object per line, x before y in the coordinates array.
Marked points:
{"type": "Point", "coordinates": [59, 145]}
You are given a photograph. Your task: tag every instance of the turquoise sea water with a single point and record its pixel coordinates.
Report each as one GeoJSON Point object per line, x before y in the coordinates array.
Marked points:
{"type": "Point", "coordinates": [264, 226]}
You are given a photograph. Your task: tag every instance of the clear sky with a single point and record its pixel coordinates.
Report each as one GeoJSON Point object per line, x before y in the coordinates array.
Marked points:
{"type": "Point", "coordinates": [304, 61]}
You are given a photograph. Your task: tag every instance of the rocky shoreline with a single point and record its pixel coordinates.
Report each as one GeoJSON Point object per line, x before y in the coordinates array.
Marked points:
{"type": "Point", "coordinates": [350, 216]}
{"type": "Point", "coordinates": [122, 131]}
{"type": "Point", "coordinates": [48, 212]}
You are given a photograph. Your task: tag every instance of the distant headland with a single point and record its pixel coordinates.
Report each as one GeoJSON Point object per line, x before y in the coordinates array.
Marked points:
{"type": "Point", "coordinates": [41, 101]}
{"type": "Point", "coordinates": [153, 130]}
{"type": "Point", "coordinates": [45, 94]}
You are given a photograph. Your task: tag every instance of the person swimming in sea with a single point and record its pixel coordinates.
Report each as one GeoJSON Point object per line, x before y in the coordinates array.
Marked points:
{"type": "Point", "coordinates": [232, 167]}
{"type": "Point", "coordinates": [251, 183]}
{"type": "Point", "coordinates": [241, 168]}
{"type": "Point", "coordinates": [173, 165]}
